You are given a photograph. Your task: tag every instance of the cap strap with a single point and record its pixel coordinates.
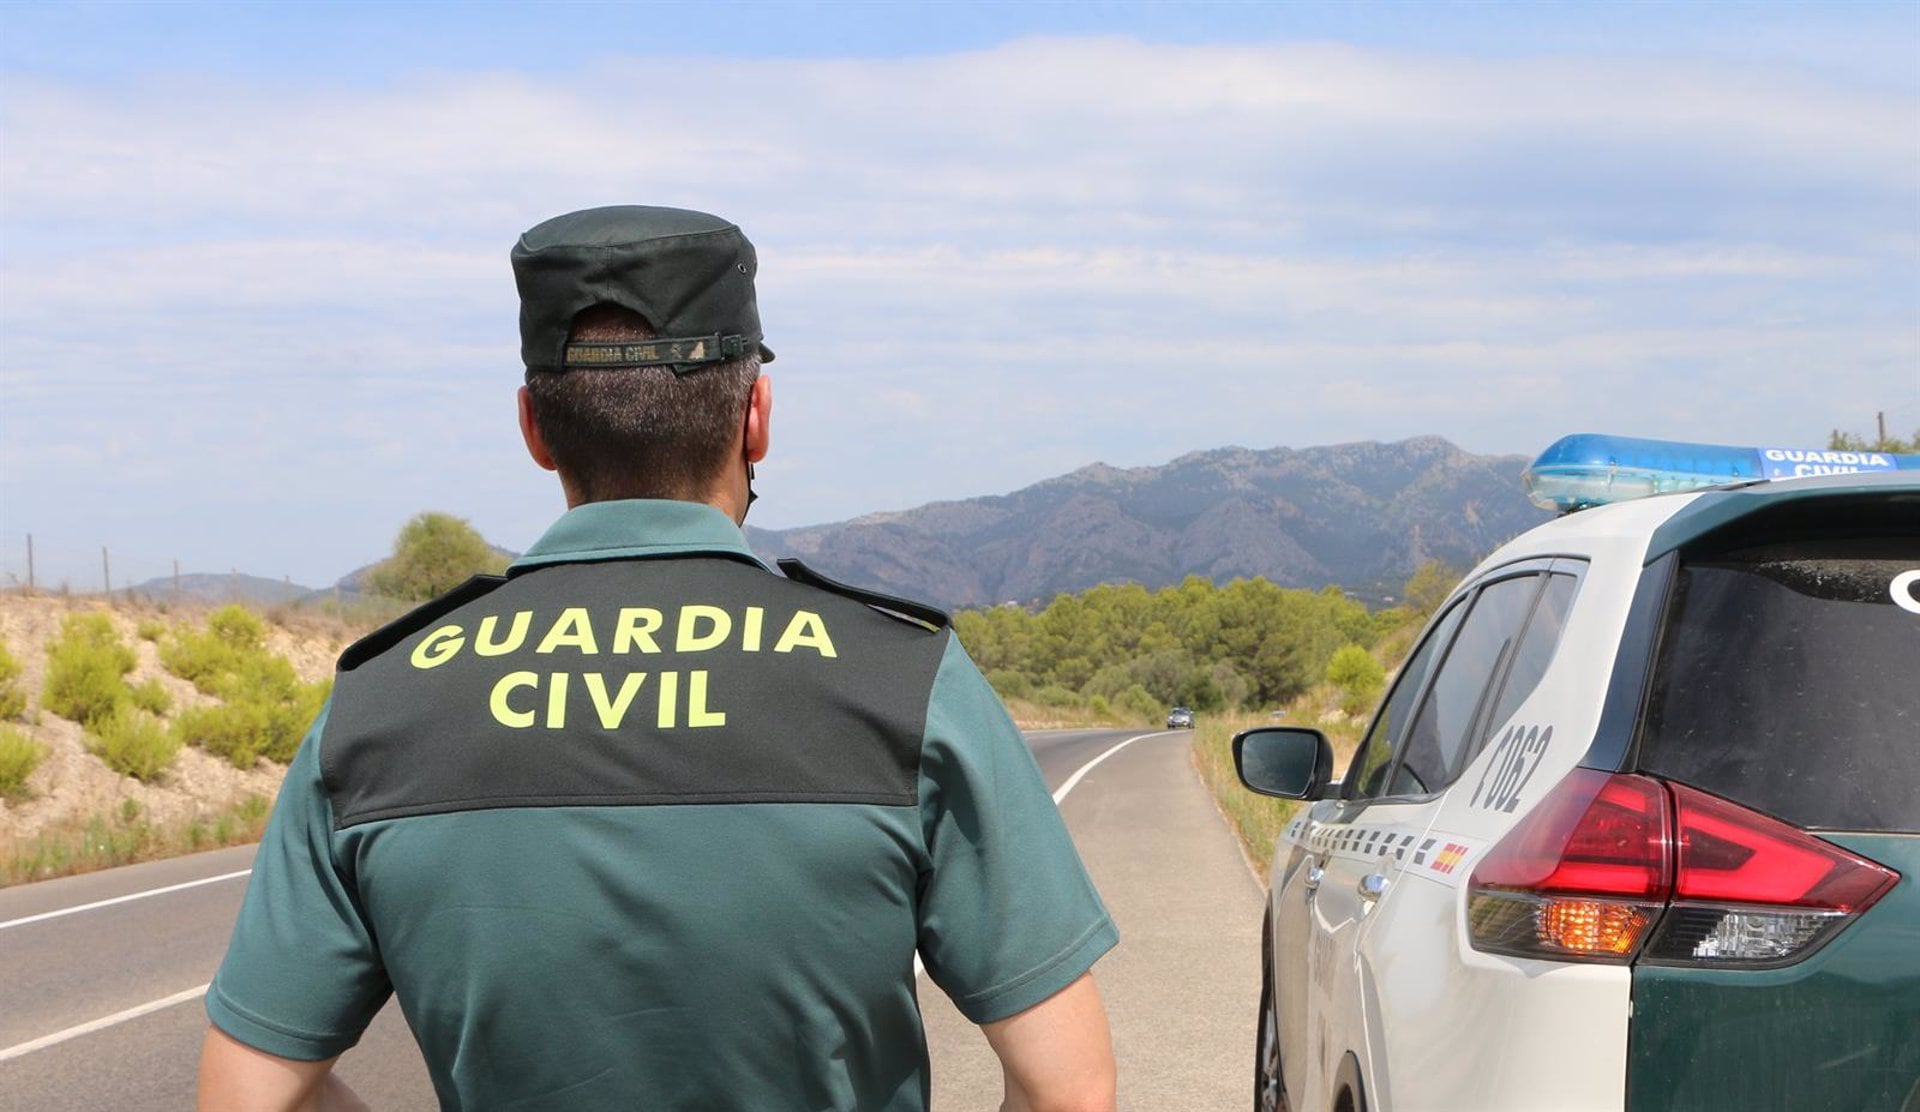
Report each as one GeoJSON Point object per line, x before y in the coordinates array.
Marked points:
{"type": "Point", "coordinates": [682, 353]}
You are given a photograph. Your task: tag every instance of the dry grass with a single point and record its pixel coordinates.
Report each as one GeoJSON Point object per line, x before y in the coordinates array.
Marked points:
{"type": "Point", "coordinates": [1029, 715]}
{"type": "Point", "coordinates": [126, 836]}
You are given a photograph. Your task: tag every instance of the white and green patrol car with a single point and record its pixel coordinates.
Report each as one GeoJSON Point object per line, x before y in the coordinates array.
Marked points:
{"type": "Point", "coordinates": [1637, 826]}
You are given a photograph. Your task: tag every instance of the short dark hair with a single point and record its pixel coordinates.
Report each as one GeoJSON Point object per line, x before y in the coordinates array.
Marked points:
{"type": "Point", "coordinates": [639, 432]}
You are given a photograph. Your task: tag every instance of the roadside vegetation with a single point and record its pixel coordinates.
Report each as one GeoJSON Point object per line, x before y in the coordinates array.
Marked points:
{"type": "Point", "coordinates": [265, 709]}
{"type": "Point", "coordinates": [1122, 653]}
{"type": "Point", "coordinates": [106, 710]}
{"type": "Point", "coordinates": [133, 743]}
{"type": "Point", "coordinates": [128, 836]}
{"type": "Point", "coordinates": [1241, 655]}
{"type": "Point", "coordinates": [87, 666]}
{"type": "Point", "coordinates": [13, 697]}
{"type": "Point", "coordinates": [19, 756]}
{"type": "Point", "coordinates": [98, 705]}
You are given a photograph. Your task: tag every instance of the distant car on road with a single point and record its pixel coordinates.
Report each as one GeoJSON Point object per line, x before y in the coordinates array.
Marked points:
{"type": "Point", "coordinates": [1637, 826]}
{"type": "Point", "coordinates": [1180, 718]}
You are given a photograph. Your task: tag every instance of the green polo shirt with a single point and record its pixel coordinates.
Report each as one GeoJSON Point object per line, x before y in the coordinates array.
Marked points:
{"type": "Point", "coordinates": [646, 825]}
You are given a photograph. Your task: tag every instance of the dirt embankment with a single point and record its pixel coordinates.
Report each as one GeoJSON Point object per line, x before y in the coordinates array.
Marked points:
{"type": "Point", "coordinates": [72, 786]}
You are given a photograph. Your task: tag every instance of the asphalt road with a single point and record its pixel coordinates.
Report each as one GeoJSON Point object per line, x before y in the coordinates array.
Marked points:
{"type": "Point", "coordinates": [100, 974]}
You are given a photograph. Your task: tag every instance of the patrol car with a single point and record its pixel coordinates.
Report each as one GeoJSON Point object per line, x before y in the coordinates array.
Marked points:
{"type": "Point", "coordinates": [1637, 826]}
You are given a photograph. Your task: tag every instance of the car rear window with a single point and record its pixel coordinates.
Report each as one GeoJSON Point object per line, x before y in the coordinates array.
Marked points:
{"type": "Point", "coordinates": [1788, 680]}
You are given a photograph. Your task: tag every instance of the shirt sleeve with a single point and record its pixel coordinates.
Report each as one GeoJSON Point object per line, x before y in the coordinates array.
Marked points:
{"type": "Point", "coordinates": [302, 977]}
{"type": "Point", "coordinates": [1008, 915]}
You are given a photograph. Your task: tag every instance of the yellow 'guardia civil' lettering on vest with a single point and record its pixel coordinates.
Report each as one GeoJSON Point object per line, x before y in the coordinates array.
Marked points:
{"type": "Point", "coordinates": [515, 698]}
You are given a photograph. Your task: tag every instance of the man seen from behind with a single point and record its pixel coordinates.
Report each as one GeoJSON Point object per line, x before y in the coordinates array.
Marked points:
{"type": "Point", "coordinates": [643, 824]}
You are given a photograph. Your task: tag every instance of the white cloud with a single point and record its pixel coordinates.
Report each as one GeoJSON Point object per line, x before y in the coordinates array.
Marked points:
{"type": "Point", "coordinates": [979, 269]}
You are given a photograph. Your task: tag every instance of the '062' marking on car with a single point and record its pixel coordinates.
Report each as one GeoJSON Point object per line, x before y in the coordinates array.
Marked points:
{"type": "Point", "coordinates": [1516, 756]}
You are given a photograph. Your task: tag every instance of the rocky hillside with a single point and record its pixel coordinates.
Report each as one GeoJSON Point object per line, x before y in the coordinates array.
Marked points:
{"type": "Point", "coordinates": [1362, 516]}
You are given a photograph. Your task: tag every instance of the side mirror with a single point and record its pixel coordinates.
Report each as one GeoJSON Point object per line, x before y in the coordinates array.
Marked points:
{"type": "Point", "coordinates": [1292, 762]}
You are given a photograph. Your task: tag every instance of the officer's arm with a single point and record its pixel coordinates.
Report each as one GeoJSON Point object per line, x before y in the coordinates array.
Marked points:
{"type": "Point", "coordinates": [1057, 1055]}
{"type": "Point", "coordinates": [235, 1077]}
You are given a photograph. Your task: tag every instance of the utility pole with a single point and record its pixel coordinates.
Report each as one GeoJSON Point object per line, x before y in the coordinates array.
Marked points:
{"type": "Point", "coordinates": [176, 580]}
{"type": "Point", "coordinates": [106, 574]}
{"type": "Point", "coordinates": [1881, 419]}
{"type": "Point", "coordinates": [29, 563]}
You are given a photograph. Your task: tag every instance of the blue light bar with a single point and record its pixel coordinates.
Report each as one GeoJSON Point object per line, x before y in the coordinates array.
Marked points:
{"type": "Point", "coordinates": [1587, 469]}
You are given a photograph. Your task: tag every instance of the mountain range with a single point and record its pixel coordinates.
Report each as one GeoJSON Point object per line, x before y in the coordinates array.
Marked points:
{"type": "Point", "coordinates": [233, 587]}
{"type": "Point", "coordinates": [1359, 516]}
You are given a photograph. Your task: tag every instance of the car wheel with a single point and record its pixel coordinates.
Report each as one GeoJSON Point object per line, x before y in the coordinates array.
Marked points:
{"type": "Point", "coordinates": [1269, 1092]}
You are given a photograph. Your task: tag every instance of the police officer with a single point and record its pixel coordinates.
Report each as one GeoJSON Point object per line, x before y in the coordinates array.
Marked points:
{"type": "Point", "coordinates": [644, 824]}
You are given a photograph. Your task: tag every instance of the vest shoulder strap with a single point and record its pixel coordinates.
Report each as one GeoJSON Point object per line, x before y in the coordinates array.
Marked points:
{"type": "Point", "coordinates": [398, 630]}
{"type": "Point", "coordinates": [904, 609]}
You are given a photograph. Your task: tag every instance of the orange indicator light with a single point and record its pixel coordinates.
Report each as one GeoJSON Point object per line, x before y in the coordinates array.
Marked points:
{"type": "Point", "coordinates": [1591, 926]}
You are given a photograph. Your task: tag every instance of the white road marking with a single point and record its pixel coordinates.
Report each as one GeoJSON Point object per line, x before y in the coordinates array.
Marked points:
{"type": "Point", "coordinates": [104, 1021]}
{"type": "Point", "coordinates": [1089, 766]}
{"type": "Point", "coordinates": [45, 915]}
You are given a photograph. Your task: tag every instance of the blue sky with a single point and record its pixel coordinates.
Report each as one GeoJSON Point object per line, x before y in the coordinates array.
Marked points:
{"type": "Point", "coordinates": [255, 309]}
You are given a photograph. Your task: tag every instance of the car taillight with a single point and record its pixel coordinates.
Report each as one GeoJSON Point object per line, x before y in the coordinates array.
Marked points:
{"type": "Point", "coordinates": [1753, 891]}
{"type": "Point", "coordinates": [1619, 867]}
{"type": "Point", "coordinates": [1582, 876]}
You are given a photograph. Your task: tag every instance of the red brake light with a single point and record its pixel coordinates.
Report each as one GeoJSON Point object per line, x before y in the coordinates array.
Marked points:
{"type": "Point", "coordinates": [1729, 854]}
{"type": "Point", "coordinates": [1583, 875]}
{"type": "Point", "coordinates": [1599, 834]}
{"type": "Point", "coordinates": [1610, 866]}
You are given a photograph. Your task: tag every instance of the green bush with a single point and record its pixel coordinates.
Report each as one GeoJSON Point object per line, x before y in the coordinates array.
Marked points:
{"type": "Point", "coordinates": [150, 630]}
{"type": "Point", "coordinates": [86, 670]}
{"type": "Point", "coordinates": [433, 554]}
{"type": "Point", "coordinates": [1137, 704]}
{"type": "Point", "coordinates": [13, 701]}
{"type": "Point", "coordinates": [19, 756]}
{"type": "Point", "coordinates": [151, 697]}
{"type": "Point", "coordinates": [133, 743]}
{"type": "Point", "coordinates": [214, 659]}
{"type": "Point", "coordinates": [1430, 585]}
{"type": "Point", "coordinates": [1057, 697]}
{"type": "Point", "coordinates": [266, 709]}
{"type": "Point", "coordinates": [1359, 677]}
{"type": "Point", "coordinates": [244, 730]}
{"type": "Point", "coordinates": [1010, 685]}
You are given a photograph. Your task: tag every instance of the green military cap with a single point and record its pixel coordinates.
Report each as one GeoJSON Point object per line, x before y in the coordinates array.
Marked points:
{"type": "Point", "coordinates": [690, 274]}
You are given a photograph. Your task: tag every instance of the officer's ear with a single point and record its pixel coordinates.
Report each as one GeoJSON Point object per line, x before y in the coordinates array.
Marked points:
{"type": "Point", "coordinates": [759, 417]}
{"type": "Point", "coordinates": [530, 432]}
